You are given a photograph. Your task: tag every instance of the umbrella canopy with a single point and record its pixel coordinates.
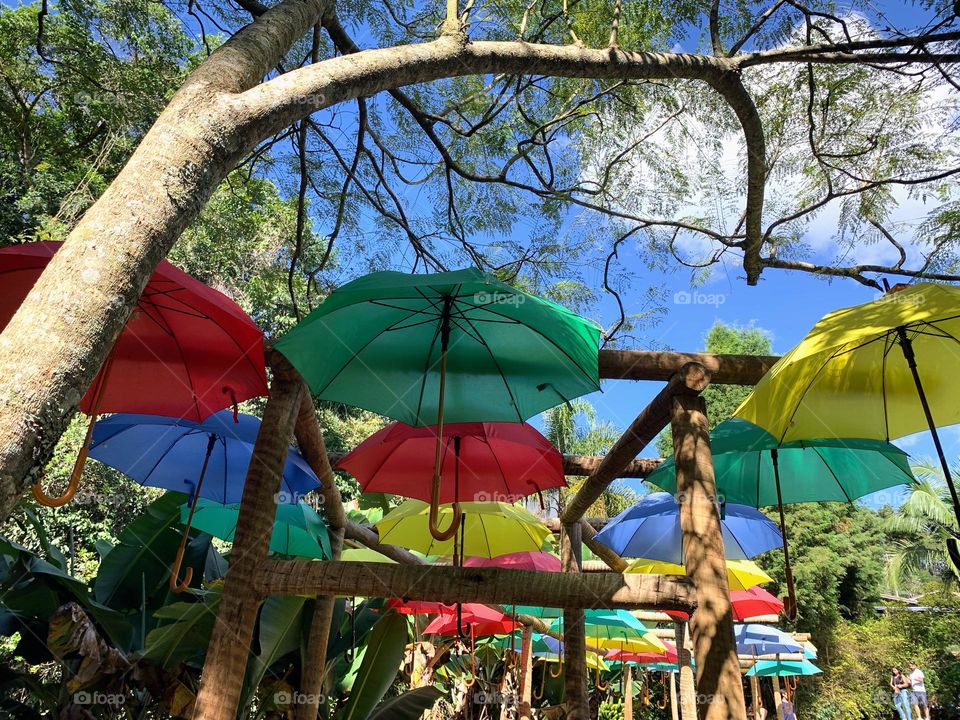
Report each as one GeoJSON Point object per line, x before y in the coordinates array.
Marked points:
{"type": "Point", "coordinates": [668, 655]}
{"type": "Point", "coordinates": [755, 639]}
{"type": "Point", "coordinates": [537, 611]}
{"type": "Point", "coordinates": [482, 620]}
{"type": "Point", "coordinates": [168, 452]}
{"type": "Point", "coordinates": [817, 470]}
{"type": "Point", "coordinates": [186, 351]}
{"type": "Point", "coordinates": [488, 529]}
{"type": "Point", "coordinates": [298, 530]}
{"type": "Point", "coordinates": [376, 343]}
{"type": "Point", "coordinates": [745, 604]}
{"type": "Point", "coordinates": [419, 607]}
{"type": "Point", "coordinates": [549, 649]}
{"type": "Point", "coordinates": [651, 529]}
{"type": "Point", "coordinates": [615, 629]}
{"type": "Point", "coordinates": [781, 668]}
{"type": "Point", "coordinates": [480, 461]}
{"type": "Point", "coordinates": [364, 555]}
{"type": "Point", "coordinates": [539, 561]}
{"type": "Point", "coordinates": [741, 574]}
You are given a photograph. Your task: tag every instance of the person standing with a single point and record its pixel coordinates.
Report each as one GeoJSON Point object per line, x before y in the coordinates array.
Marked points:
{"type": "Point", "coordinates": [919, 697]}
{"type": "Point", "coordinates": [901, 693]}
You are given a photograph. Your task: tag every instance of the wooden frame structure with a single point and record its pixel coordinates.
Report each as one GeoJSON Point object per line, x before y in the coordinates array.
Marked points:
{"type": "Point", "coordinates": [290, 413]}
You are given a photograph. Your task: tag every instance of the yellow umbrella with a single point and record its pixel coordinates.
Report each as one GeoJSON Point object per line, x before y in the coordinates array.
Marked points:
{"type": "Point", "coordinates": [364, 555]}
{"type": "Point", "coordinates": [880, 370]}
{"type": "Point", "coordinates": [741, 574]}
{"type": "Point", "coordinates": [487, 529]}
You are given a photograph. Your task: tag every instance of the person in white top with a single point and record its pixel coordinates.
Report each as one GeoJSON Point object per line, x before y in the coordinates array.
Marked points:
{"type": "Point", "coordinates": [919, 691]}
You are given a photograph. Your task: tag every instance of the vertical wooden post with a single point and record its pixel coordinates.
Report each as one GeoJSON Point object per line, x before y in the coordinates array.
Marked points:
{"type": "Point", "coordinates": [525, 682]}
{"type": "Point", "coordinates": [576, 697]}
{"type": "Point", "coordinates": [674, 707]}
{"type": "Point", "coordinates": [777, 697]}
{"type": "Point", "coordinates": [227, 654]}
{"type": "Point", "coordinates": [755, 695]}
{"type": "Point", "coordinates": [627, 691]}
{"type": "Point", "coordinates": [688, 693]}
{"type": "Point", "coordinates": [313, 668]}
{"type": "Point", "coordinates": [719, 688]}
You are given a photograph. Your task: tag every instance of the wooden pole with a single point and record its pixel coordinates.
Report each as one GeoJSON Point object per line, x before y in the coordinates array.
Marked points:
{"type": "Point", "coordinates": [448, 584]}
{"type": "Point", "coordinates": [777, 697]}
{"type": "Point", "coordinates": [688, 692]}
{"type": "Point", "coordinates": [674, 707]}
{"type": "Point", "coordinates": [627, 691]}
{"type": "Point", "coordinates": [576, 697]}
{"type": "Point", "coordinates": [719, 688]}
{"type": "Point", "coordinates": [652, 365]}
{"type": "Point", "coordinates": [525, 682]}
{"type": "Point", "coordinates": [690, 379]}
{"type": "Point", "coordinates": [226, 662]}
{"type": "Point", "coordinates": [755, 696]}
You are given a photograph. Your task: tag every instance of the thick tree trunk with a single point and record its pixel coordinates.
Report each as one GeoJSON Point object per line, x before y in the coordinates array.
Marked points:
{"type": "Point", "coordinates": [524, 711]}
{"type": "Point", "coordinates": [688, 690]}
{"type": "Point", "coordinates": [54, 345]}
{"type": "Point", "coordinates": [229, 648]}
{"type": "Point", "coordinates": [719, 689]}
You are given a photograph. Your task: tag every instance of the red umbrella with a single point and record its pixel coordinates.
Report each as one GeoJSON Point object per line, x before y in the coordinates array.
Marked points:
{"type": "Point", "coordinates": [187, 350]}
{"type": "Point", "coordinates": [480, 619]}
{"type": "Point", "coordinates": [540, 561]}
{"type": "Point", "coordinates": [419, 607]}
{"type": "Point", "coordinates": [746, 604]}
{"type": "Point", "coordinates": [644, 658]}
{"type": "Point", "coordinates": [498, 461]}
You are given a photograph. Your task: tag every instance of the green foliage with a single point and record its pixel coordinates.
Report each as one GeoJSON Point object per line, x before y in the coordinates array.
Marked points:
{"type": "Point", "coordinates": [381, 662]}
{"type": "Point", "coordinates": [408, 706]}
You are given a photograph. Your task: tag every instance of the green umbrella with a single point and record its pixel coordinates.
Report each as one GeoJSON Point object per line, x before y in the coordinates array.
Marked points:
{"type": "Point", "coordinates": [298, 530]}
{"type": "Point", "coordinates": [748, 463]}
{"type": "Point", "coordinates": [455, 346]}
{"type": "Point", "coordinates": [781, 668]}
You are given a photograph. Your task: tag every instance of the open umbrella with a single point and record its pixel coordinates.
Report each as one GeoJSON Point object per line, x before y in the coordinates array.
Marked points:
{"type": "Point", "coordinates": [782, 668]}
{"type": "Point", "coordinates": [364, 555]}
{"type": "Point", "coordinates": [651, 529]}
{"type": "Point", "coordinates": [755, 639]}
{"type": "Point", "coordinates": [668, 655]}
{"type": "Point", "coordinates": [615, 630]}
{"type": "Point", "coordinates": [419, 607]}
{"type": "Point", "coordinates": [749, 462]}
{"type": "Point", "coordinates": [745, 604]}
{"type": "Point", "coordinates": [488, 529]}
{"type": "Point", "coordinates": [741, 574]}
{"type": "Point", "coordinates": [539, 561]}
{"type": "Point", "coordinates": [298, 530]}
{"type": "Point", "coordinates": [203, 460]}
{"type": "Point", "coordinates": [186, 350]}
{"type": "Point", "coordinates": [496, 461]}
{"type": "Point", "coordinates": [480, 619]}
{"type": "Point", "coordinates": [449, 347]}
{"type": "Point", "coordinates": [877, 370]}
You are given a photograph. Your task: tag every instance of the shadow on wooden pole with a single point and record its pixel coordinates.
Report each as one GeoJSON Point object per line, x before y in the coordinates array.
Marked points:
{"type": "Point", "coordinates": [576, 698]}
{"type": "Point", "coordinates": [718, 683]}
{"type": "Point", "coordinates": [226, 662]}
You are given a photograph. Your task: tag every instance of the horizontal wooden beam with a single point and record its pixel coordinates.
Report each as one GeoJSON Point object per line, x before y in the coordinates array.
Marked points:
{"type": "Point", "coordinates": [652, 365]}
{"type": "Point", "coordinates": [486, 585]}
{"type": "Point", "coordinates": [691, 379]}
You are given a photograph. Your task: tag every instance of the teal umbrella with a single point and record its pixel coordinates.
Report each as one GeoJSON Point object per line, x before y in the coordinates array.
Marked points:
{"type": "Point", "coordinates": [748, 464]}
{"type": "Point", "coordinates": [782, 668]}
{"type": "Point", "coordinates": [298, 530]}
{"type": "Point", "coordinates": [454, 346]}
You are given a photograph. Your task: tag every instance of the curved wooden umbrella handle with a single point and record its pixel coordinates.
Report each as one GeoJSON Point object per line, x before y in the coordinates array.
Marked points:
{"type": "Point", "coordinates": [559, 671]}
{"type": "Point", "coordinates": [47, 501]}
{"type": "Point", "coordinates": [473, 662]}
{"type": "Point", "coordinates": [662, 703]}
{"type": "Point", "coordinates": [179, 587]}
{"type": "Point", "coordinates": [600, 686]}
{"type": "Point", "coordinates": [435, 530]}
{"type": "Point", "coordinates": [543, 685]}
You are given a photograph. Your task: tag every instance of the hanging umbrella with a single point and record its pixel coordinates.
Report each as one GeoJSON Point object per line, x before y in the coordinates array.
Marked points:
{"type": "Point", "coordinates": [876, 370]}
{"type": "Point", "coordinates": [202, 460]}
{"type": "Point", "coordinates": [364, 555]}
{"type": "Point", "coordinates": [186, 350]}
{"type": "Point", "coordinates": [615, 630]}
{"type": "Point", "coordinates": [651, 529]}
{"type": "Point", "coordinates": [755, 639]}
{"type": "Point", "coordinates": [298, 530]}
{"type": "Point", "coordinates": [748, 465]}
{"type": "Point", "coordinates": [419, 607]}
{"type": "Point", "coordinates": [745, 604]}
{"type": "Point", "coordinates": [668, 655]}
{"type": "Point", "coordinates": [480, 461]}
{"type": "Point", "coordinates": [480, 619]}
{"type": "Point", "coordinates": [741, 574]}
{"type": "Point", "coordinates": [488, 529]}
{"type": "Point", "coordinates": [539, 561]}
{"type": "Point", "coordinates": [809, 650]}
{"type": "Point", "coordinates": [781, 668]}
{"type": "Point", "coordinates": [538, 611]}
{"type": "Point", "coordinates": [448, 347]}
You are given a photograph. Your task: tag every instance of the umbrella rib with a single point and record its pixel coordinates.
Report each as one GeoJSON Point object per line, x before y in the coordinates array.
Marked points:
{"type": "Point", "coordinates": [386, 458]}
{"type": "Point", "coordinates": [537, 331]}
{"type": "Point", "coordinates": [796, 407]}
{"type": "Point", "coordinates": [426, 368]}
{"type": "Point", "coordinates": [883, 388]}
{"type": "Point", "coordinates": [833, 474]}
{"type": "Point", "coordinates": [506, 385]}
{"type": "Point", "coordinates": [186, 367]}
{"type": "Point", "coordinates": [176, 440]}
{"type": "Point", "coordinates": [226, 474]}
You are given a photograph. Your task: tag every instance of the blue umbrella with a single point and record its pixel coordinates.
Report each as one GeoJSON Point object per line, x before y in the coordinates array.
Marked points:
{"type": "Point", "coordinates": [208, 459]}
{"type": "Point", "coordinates": [651, 529]}
{"type": "Point", "coordinates": [756, 639]}
{"type": "Point", "coordinates": [167, 452]}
